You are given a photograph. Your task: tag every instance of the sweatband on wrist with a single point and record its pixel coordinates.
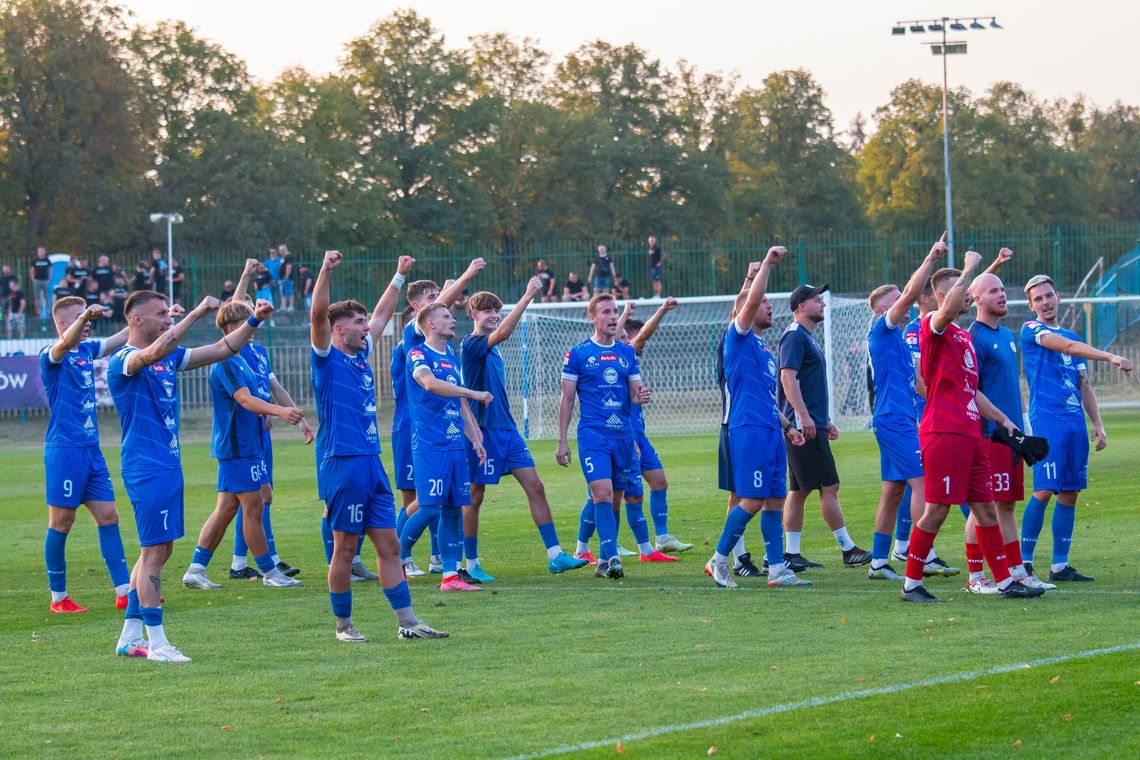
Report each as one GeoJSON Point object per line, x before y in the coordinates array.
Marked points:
{"type": "Point", "coordinates": [253, 322]}
{"type": "Point", "coordinates": [398, 280]}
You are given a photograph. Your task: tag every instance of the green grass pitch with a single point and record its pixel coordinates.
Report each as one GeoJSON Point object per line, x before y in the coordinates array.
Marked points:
{"type": "Point", "coordinates": [538, 663]}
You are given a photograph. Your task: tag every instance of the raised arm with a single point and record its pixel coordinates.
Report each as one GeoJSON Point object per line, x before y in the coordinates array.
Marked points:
{"type": "Point", "coordinates": [955, 299]}
{"type": "Point", "coordinates": [1064, 345]}
{"type": "Point", "coordinates": [320, 332]}
{"type": "Point", "coordinates": [390, 299]}
{"type": "Point", "coordinates": [1004, 255]}
{"type": "Point", "coordinates": [898, 311]}
{"type": "Point", "coordinates": [230, 344]}
{"type": "Point", "coordinates": [753, 270]}
{"type": "Point", "coordinates": [1092, 409]}
{"type": "Point", "coordinates": [450, 293]}
{"type": "Point", "coordinates": [651, 324]}
{"type": "Point", "coordinates": [74, 334]}
{"type": "Point", "coordinates": [241, 290]}
{"type": "Point", "coordinates": [508, 325]}
{"type": "Point", "coordinates": [746, 313]}
{"type": "Point", "coordinates": [170, 339]}
{"type": "Point", "coordinates": [565, 412]}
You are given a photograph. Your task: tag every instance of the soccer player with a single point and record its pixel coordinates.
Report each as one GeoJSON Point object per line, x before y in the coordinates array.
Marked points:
{"type": "Point", "coordinates": [421, 293]}
{"type": "Point", "coordinates": [240, 404]}
{"type": "Point", "coordinates": [604, 374]}
{"type": "Point", "coordinates": [74, 469]}
{"type": "Point", "coordinates": [142, 377]}
{"type": "Point", "coordinates": [1060, 395]}
{"type": "Point", "coordinates": [895, 419]}
{"type": "Point", "coordinates": [955, 466]}
{"type": "Point", "coordinates": [268, 387]}
{"type": "Point", "coordinates": [998, 378]}
{"type": "Point", "coordinates": [350, 476]}
{"type": "Point", "coordinates": [506, 451]}
{"type": "Point", "coordinates": [755, 430]}
{"type": "Point", "coordinates": [440, 420]}
{"type": "Point", "coordinates": [803, 399]}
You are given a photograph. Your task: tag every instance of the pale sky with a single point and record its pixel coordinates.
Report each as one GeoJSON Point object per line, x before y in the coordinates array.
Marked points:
{"type": "Point", "coordinates": [1054, 49]}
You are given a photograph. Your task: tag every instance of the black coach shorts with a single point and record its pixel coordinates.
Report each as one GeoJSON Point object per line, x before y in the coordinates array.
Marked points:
{"type": "Point", "coordinates": [724, 462]}
{"type": "Point", "coordinates": [811, 466]}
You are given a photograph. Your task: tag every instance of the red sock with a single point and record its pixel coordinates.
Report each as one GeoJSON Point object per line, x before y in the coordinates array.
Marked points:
{"type": "Point", "coordinates": [920, 543]}
{"type": "Point", "coordinates": [989, 538]}
{"type": "Point", "coordinates": [1013, 553]}
{"type": "Point", "coordinates": [974, 558]}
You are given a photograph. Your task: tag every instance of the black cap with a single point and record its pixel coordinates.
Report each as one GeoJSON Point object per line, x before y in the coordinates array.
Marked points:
{"type": "Point", "coordinates": [803, 293]}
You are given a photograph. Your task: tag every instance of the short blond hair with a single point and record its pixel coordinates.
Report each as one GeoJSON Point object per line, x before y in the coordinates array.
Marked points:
{"type": "Point", "coordinates": [232, 312]}
{"type": "Point", "coordinates": [66, 301]}
{"type": "Point", "coordinates": [597, 299]}
{"type": "Point", "coordinates": [878, 293]}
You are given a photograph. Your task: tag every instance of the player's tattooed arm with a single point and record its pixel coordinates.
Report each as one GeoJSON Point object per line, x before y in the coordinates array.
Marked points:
{"type": "Point", "coordinates": [565, 412]}
{"type": "Point", "coordinates": [1092, 409]}
{"type": "Point", "coordinates": [169, 340]}
{"type": "Point", "coordinates": [451, 292]}
{"type": "Point", "coordinates": [955, 300]}
{"type": "Point", "coordinates": [992, 413]}
{"type": "Point", "coordinates": [230, 344]}
{"type": "Point", "coordinates": [72, 336]}
{"type": "Point", "coordinates": [508, 325]}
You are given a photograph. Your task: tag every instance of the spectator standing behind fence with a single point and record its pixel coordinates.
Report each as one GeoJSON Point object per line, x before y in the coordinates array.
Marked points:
{"type": "Point", "coordinates": [119, 293]}
{"type": "Point", "coordinates": [142, 279]}
{"type": "Point", "coordinates": [103, 274]}
{"type": "Point", "coordinates": [177, 279]}
{"type": "Point", "coordinates": [306, 279]}
{"type": "Point", "coordinates": [621, 287]}
{"type": "Point", "coordinates": [656, 266]}
{"type": "Point", "coordinates": [273, 266]}
{"type": "Point", "coordinates": [285, 278]}
{"type": "Point", "coordinates": [77, 275]}
{"type": "Point", "coordinates": [6, 277]}
{"type": "Point", "coordinates": [263, 282]}
{"type": "Point", "coordinates": [228, 290]}
{"type": "Point", "coordinates": [575, 289]}
{"type": "Point", "coordinates": [549, 293]}
{"type": "Point", "coordinates": [602, 272]}
{"type": "Point", "coordinates": [158, 272]}
{"type": "Point", "coordinates": [14, 319]}
{"type": "Point", "coordinates": [40, 273]}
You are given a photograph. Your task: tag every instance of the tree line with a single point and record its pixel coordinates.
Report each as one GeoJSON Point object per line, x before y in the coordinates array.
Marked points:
{"type": "Point", "coordinates": [415, 141]}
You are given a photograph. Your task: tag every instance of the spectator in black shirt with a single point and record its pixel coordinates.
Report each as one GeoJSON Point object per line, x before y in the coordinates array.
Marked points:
{"type": "Point", "coordinates": [78, 273]}
{"type": "Point", "coordinates": [104, 275]}
{"type": "Point", "coordinates": [6, 278]}
{"type": "Point", "coordinates": [549, 291]}
{"type": "Point", "coordinates": [602, 271]}
{"type": "Point", "coordinates": [119, 294]}
{"type": "Point", "coordinates": [158, 271]}
{"type": "Point", "coordinates": [177, 278]}
{"type": "Point", "coordinates": [285, 278]}
{"type": "Point", "coordinates": [656, 266]}
{"type": "Point", "coordinates": [142, 279]}
{"type": "Point", "coordinates": [14, 318]}
{"type": "Point", "coordinates": [621, 287]}
{"type": "Point", "coordinates": [41, 272]}
{"type": "Point", "coordinates": [91, 291]}
{"type": "Point", "coordinates": [575, 289]}
{"type": "Point", "coordinates": [306, 280]}
{"type": "Point", "coordinates": [228, 289]}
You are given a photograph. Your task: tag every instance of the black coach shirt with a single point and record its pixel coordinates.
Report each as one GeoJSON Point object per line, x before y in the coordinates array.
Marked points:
{"type": "Point", "coordinates": [799, 351]}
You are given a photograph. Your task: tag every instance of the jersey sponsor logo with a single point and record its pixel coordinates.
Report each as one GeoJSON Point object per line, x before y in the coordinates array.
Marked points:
{"type": "Point", "coordinates": [452, 431]}
{"type": "Point", "coordinates": [371, 431]}
{"type": "Point", "coordinates": [609, 402]}
{"type": "Point", "coordinates": [1073, 401]}
{"type": "Point", "coordinates": [160, 367]}
{"type": "Point", "coordinates": [610, 375]}
{"type": "Point", "coordinates": [1066, 359]}
{"type": "Point", "coordinates": [453, 379]}
{"type": "Point", "coordinates": [88, 405]}
{"type": "Point", "coordinates": [968, 359]}
{"type": "Point", "coordinates": [613, 421]}
{"type": "Point", "coordinates": [623, 363]}
{"type": "Point", "coordinates": [168, 387]}
{"type": "Point", "coordinates": [446, 365]}
{"type": "Point", "coordinates": [89, 424]}
{"type": "Point", "coordinates": [417, 355]}
{"type": "Point", "coordinates": [608, 358]}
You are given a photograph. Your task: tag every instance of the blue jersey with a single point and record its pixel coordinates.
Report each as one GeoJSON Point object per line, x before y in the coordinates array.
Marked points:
{"type": "Point", "coordinates": [436, 420]}
{"type": "Point", "coordinates": [70, 386]}
{"type": "Point", "coordinates": [483, 371]}
{"type": "Point", "coordinates": [998, 377]}
{"type": "Point", "coordinates": [237, 431]}
{"type": "Point", "coordinates": [345, 394]}
{"type": "Point", "coordinates": [147, 402]}
{"type": "Point", "coordinates": [257, 358]}
{"type": "Point", "coordinates": [1053, 378]}
{"type": "Point", "coordinates": [892, 369]}
{"type": "Point", "coordinates": [603, 374]}
{"type": "Point", "coordinates": [751, 380]}
{"type": "Point", "coordinates": [398, 371]}
{"type": "Point", "coordinates": [911, 337]}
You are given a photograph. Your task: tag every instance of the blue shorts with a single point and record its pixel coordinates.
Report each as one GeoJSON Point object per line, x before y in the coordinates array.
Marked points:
{"type": "Point", "coordinates": [241, 475]}
{"type": "Point", "coordinates": [655, 273]}
{"type": "Point", "coordinates": [759, 462]}
{"type": "Point", "coordinates": [357, 493]}
{"type": "Point", "coordinates": [1067, 466]}
{"type": "Point", "coordinates": [506, 451]}
{"type": "Point", "coordinates": [606, 456]}
{"type": "Point", "coordinates": [724, 462]}
{"type": "Point", "coordinates": [402, 460]}
{"type": "Point", "coordinates": [75, 474]}
{"type": "Point", "coordinates": [157, 499]}
{"type": "Point", "coordinates": [267, 455]}
{"type": "Point", "coordinates": [603, 283]}
{"type": "Point", "coordinates": [287, 288]}
{"type": "Point", "coordinates": [649, 459]}
{"type": "Point", "coordinates": [442, 479]}
{"type": "Point", "coordinates": [900, 456]}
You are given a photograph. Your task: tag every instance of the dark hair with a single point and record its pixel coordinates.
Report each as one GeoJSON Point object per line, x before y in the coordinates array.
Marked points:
{"type": "Point", "coordinates": [345, 309]}
{"type": "Point", "coordinates": [484, 301]}
{"type": "Point", "coordinates": [140, 297]}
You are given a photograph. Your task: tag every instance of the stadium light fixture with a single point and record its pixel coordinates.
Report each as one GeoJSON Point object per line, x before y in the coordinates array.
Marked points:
{"type": "Point", "coordinates": [945, 48]}
{"type": "Point", "coordinates": [172, 218]}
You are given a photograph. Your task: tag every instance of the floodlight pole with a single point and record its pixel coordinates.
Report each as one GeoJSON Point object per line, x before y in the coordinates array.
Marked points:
{"type": "Point", "coordinates": [946, 151]}
{"type": "Point", "coordinates": [172, 219]}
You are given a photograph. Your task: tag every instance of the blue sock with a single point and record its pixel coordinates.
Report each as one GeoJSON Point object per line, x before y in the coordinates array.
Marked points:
{"type": "Point", "coordinates": [401, 520]}
{"type": "Point", "coordinates": [734, 526]}
{"type": "Point", "coordinates": [414, 528]}
{"type": "Point", "coordinates": [111, 547]}
{"type": "Point", "coordinates": [151, 616]}
{"type": "Point", "coordinates": [607, 529]}
{"type": "Point", "coordinates": [586, 523]}
{"type": "Point", "coordinates": [241, 548]}
{"type": "Point", "coordinates": [1064, 518]}
{"type": "Point", "coordinates": [471, 547]}
{"type": "Point", "coordinates": [55, 559]}
{"type": "Point", "coordinates": [881, 546]}
{"type": "Point", "coordinates": [264, 562]}
{"type": "Point", "coordinates": [450, 537]}
{"type": "Point", "coordinates": [549, 535]}
{"type": "Point", "coordinates": [772, 529]}
{"type": "Point", "coordinates": [134, 611]}
{"type": "Point", "coordinates": [327, 538]}
{"type": "Point", "coordinates": [399, 596]}
{"type": "Point", "coordinates": [267, 526]}
{"type": "Point", "coordinates": [202, 556]}
{"type": "Point", "coordinates": [965, 510]}
{"type": "Point", "coordinates": [1032, 521]}
{"type": "Point", "coordinates": [902, 520]}
{"type": "Point", "coordinates": [433, 532]}
{"type": "Point", "coordinates": [659, 511]}
{"type": "Point", "coordinates": [617, 524]}
{"type": "Point", "coordinates": [635, 515]}
{"type": "Point", "coordinates": [341, 603]}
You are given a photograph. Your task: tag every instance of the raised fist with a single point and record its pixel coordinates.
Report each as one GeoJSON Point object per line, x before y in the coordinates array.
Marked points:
{"type": "Point", "coordinates": [208, 304]}
{"type": "Point", "coordinates": [93, 312]}
{"type": "Point", "coordinates": [776, 252]}
{"type": "Point", "coordinates": [670, 304]}
{"type": "Point", "coordinates": [476, 266]}
{"type": "Point", "coordinates": [332, 259]}
{"type": "Point", "coordinates": [404, 265]}
{"type": "Point", "coordinates": [971, 260]}
{"type": "Point", "coordinates": [534, 285]}
{"type": "Point", "coordinates": [251, 265]}
{"type": "Point", "coordinates": [262, 310]}
{"type": "Point", "coordinates": [1004, 255]}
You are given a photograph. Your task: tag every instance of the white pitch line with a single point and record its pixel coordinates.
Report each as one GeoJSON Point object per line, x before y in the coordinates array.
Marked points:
{"type": "Point", "coordinates": [710, 589]}
{"type": "Point", "coordinates": [846, 696]}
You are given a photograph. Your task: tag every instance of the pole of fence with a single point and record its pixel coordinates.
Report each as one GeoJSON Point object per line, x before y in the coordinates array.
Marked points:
{"type": "Point", "coordinates": [827, 356]}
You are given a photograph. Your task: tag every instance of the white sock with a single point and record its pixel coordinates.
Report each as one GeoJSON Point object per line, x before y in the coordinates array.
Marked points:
{"type": "Point", "coordinates": [1058, 567]}
{"type": "Point", "coordinates": [877, 564]}
{"type": "Point", "coordinates": [58, 596]}
{"type": "Point", "coordinates": [156, 635]}
{"type": "Point", "coordinates": [553, 552]}
{"type": "Point", "coordinates": [1005, 584]}
{"type": "Point", "coordinates": [776, 569]}
{"type": "Point", "coordinates": [901, 547]}
{"type": "Point", "coordinates": [132, 630]}
{"type": "Point", "coordinates": [472, 563]}
{"type": "Point", "coordinates": [356, 560]}
{"type": "Point", "coordinates": [583, 547]}
{"type": "Point", "coordinates": [932, 554]}
{"type": "Point", "coordinates": [910, 585]}
{"type": "Point", "coordinates": [844, 539]}
{"type": "Point", "coordinates": [122, 589]}
{"type": "Point", "coordinates": [646, 549]}
{"type": "Point", "coordinates": [974, 577]}
{"type": "Point", "coordinates": [276, 559]}
{"type": "Point", "coordinates": [738, 548]}
{"type": "Point", "coordinates": [436, 559]}
{"type": "Point", "coordinates": [195, 568]}
{"type": "Point", "coordinates": [1018, 572]}
{"type": "Point", "coordinates": [239, 562]}
{"type": "Point", "coordinates": [792, 539]}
